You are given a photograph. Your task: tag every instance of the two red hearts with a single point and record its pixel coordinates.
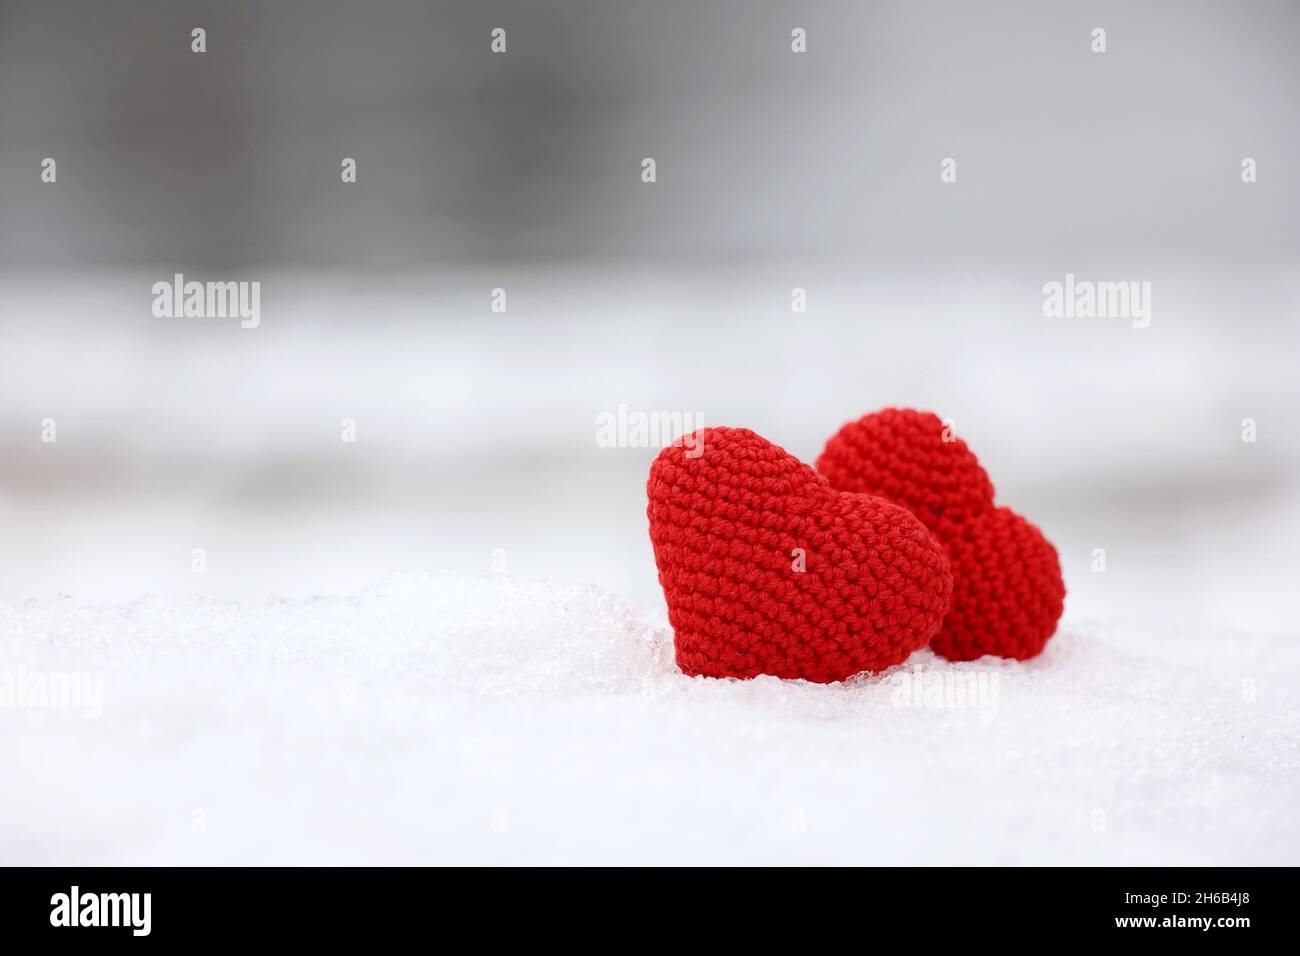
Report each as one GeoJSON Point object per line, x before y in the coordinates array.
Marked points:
{"type": "Point", "coordinates": [769, 567]}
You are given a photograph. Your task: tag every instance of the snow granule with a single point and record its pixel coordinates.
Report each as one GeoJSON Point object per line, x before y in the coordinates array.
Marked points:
{"type": "Point", "coordinates": [438, 719]}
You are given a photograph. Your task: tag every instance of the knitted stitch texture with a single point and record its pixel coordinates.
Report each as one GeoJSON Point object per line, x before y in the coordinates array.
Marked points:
{"type": "Point", "coordinates": [1007, 588]}
{"type": "Point", "coordinates": [727, 511]}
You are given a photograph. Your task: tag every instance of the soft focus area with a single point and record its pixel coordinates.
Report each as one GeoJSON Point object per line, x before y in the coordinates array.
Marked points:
{"type": "Point", "coordinates": [476, 442]}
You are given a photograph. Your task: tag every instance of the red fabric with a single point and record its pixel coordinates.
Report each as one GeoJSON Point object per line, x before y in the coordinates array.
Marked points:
{"type": "Point", "coordinates": [1007, 588]}
{"type": "Point", "coordinates": [727, 511]}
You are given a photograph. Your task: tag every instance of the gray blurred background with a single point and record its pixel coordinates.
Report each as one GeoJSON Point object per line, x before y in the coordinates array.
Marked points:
{"type": "Point", "coordinates": [476, 430]}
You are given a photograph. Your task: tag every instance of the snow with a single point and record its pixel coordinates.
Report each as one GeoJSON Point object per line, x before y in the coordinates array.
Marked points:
{"type": "Point", "coordinates": [450, 719]}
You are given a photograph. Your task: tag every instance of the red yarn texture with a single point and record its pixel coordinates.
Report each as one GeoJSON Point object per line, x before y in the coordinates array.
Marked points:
{"type": "Point", "coordinates": [727, 511]}
{"type": "Point", "coordinates": [1007, 588]}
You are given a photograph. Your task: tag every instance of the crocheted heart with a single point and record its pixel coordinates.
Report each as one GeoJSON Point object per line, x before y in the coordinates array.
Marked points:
{"type": "Point", "coordinates": [1007, 588]}
{"type": "Point", "coordinates": [768, 570]}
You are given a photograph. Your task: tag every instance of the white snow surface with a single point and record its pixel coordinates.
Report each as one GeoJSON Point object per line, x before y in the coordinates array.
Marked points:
{"type": "Point", "coordinates": [442, 719]}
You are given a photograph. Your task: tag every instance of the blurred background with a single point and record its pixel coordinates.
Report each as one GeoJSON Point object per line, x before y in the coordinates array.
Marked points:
{"type": "Point", "coordinates": [475, 441]}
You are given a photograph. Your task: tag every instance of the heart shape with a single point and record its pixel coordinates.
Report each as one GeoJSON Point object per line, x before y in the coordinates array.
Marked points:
{"type": "Point", "coordinates": [1008, 592]}
{"type": "Point", "coordinates": [769, 570]}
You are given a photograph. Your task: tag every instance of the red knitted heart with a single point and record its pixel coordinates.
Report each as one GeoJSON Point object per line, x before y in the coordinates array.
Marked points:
{"type": "Point", "coordinates": [1007, 588]}
{"type": "Point", "coordinates": [768, 570]}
